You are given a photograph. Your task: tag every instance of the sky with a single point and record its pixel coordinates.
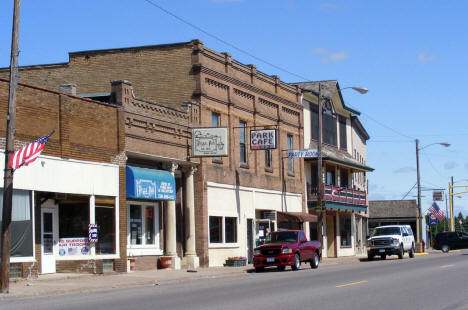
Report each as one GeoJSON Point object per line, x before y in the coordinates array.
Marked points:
{"type": "Point", "coordinates": [411, 55]}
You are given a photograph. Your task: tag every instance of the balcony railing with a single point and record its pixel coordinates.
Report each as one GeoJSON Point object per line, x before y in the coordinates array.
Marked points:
{"type": "Point", "coordinates": [338, 194]}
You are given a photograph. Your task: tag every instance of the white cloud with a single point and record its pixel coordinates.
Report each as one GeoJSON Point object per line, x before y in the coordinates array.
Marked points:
{"type": "Point", "coordinates": [424, 57]}
{"type": "Point", "coordinates": [329, 56]}
{"type": "Point", "coordinates": [450, 165]}
{"type": "Point", "coordinates": [404, 170]}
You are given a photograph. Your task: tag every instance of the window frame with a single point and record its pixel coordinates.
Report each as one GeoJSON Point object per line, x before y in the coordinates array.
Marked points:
{"type": "Point", "coordinates": [145, 249]}
{"type": "Point", "coordinates": [223, 242]}
{"type": "Point", "coordinates": [290, 146]}
{"type": "Point", "coordinates": [243, 142]}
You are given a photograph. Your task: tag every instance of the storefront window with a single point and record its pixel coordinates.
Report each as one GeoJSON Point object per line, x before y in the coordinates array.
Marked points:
{"type": "Point", "coordinates": [135, 224]}
{"type": "Point", "coordinates": [105, 220]}
{"type": "Point", "coordinates": [215, 229]}
{"type": "Point", "coordinates": [144, 224]}
{"type": "Point", "coordinates": [345, 230]}
{"type": "Point", "coordinates": [73, 226]}
{"type": "Point", "coordinates": [231, 229]}
{"type": "Point", "coordinates": [21, 224]}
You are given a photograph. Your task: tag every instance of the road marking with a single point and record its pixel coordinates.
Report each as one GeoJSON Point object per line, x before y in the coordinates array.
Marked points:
{"type": "Point", "coordinates": [446, 266]}
{"type": "Point", "coordinates": [352, 283]}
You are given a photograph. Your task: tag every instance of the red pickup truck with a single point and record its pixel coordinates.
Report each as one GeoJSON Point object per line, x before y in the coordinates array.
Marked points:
{"type": "Point", "coordinates": [287, 248]}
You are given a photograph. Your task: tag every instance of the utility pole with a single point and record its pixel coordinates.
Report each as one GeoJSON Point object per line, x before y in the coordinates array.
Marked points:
{"type": "Point", "coordinates": [418, 221]}
{"type": "Point", "coordinates": [319, 148]}
{"type": "Point", "coordinates": [452, 226]}
{"type": "Point", "coordinates": [9, 148]}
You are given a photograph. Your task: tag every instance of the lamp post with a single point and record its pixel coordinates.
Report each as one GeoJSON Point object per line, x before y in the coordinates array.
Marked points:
{"type": "Point", "coordinates": [451, 194]}
{"type": "Point", "coordinates": [419, 247]}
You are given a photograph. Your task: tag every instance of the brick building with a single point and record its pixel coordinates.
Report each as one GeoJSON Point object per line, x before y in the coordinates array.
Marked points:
{"type": "Point", "coordinates": [73, 183]}
{"type": "Point", "coordinates": [165, 90]}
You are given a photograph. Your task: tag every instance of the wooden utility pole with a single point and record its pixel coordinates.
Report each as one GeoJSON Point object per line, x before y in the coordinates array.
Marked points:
{"type": "Point", "coordinates": [9, 149]}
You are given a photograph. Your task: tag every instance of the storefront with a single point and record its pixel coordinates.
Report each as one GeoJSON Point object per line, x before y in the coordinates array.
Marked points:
{"type": "Point", "coordinates": [150, 194]}
{"type": "Point", "coordinates": [75, 204]}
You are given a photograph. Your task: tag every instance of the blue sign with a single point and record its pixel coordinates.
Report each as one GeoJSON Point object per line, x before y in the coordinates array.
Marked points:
{"type": "Point", "coordinates": [302, 153]}
{"type": "Point", "coordinates": [151, 184]}
{"type": "Point", "coordinates": [432, 220]}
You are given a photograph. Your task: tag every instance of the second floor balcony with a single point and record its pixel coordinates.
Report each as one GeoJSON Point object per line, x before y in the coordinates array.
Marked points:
{"type": "Point", "coordinates": [338, 194]}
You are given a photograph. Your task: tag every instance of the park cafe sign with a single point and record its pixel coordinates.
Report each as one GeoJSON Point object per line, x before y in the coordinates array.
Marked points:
{"type": "Point", "coordinates": [264, 139]}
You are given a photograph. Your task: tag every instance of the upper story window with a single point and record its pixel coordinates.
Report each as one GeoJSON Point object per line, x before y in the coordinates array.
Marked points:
{"type": "Point", "coordinates": [314, 124]}
{"type": "Point", "coordinates": [329, 130]}
{"type": "Point", "coordinates": [242, 142]}
{"type": "Point", "coordinates": [343, 138]}
{"type": "Point", "coordinates": [290, 146]}
{"type": "Point", "coordinates": [216, 122]}
{"type": "Point", "coordinates": [268, 159]}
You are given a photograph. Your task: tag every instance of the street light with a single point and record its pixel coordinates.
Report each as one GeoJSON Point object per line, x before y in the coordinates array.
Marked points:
{"type": "Point", "coordinates": [419, 220]}
{"type": "Point", "coordinates": [451, 194]}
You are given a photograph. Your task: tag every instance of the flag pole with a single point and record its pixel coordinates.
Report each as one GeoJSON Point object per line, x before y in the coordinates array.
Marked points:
{"type": "Point", "coordinates": [9, 148]}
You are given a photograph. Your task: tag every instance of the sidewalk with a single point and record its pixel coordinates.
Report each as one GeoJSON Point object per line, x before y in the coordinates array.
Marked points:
{"type": "Point", "coordinates": [65, 283]}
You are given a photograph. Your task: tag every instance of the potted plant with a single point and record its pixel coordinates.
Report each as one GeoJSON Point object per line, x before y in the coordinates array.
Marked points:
{"type": "Point", "coordinates": [131, 262]}
{"type": "Point", "coordinates": [165, 261]}
{"type": "Point", "coordinates": [236, 261]}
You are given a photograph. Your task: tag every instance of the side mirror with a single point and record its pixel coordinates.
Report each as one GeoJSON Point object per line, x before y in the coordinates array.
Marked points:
{"type": "Point", "coordinates": [303, 240]}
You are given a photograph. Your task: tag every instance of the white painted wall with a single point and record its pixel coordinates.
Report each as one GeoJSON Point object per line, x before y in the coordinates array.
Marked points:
{"type": "Point", "coordinates": [223, 201]}
{"type": "Point", "coordinates": [53, 174]}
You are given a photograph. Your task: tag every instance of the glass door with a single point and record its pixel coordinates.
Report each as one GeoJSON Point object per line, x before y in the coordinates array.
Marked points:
{"type": "Point", "coordinates": [48, 242]}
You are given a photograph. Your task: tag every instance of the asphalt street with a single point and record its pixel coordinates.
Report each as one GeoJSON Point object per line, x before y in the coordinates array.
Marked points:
{"type": "Point", "coordinates": [425, 282]}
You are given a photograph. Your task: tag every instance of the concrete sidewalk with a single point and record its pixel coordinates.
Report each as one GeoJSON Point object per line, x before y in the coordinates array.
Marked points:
{"type": "Point", "coordinates": [61, 283]}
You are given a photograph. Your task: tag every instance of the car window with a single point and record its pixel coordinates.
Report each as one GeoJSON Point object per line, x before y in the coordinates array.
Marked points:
{"type": "Point", "coordinates": [281, 236]}
{"type": "Point", "coordinates": [301, 235]}
{"type": "Point", "coordinates": [382, 231]}
{"type": "Point", "coordinates": [464, 235]}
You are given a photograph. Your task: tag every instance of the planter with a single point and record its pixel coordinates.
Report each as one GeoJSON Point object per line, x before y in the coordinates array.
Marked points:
{"type": "Point", "coordinates": [131, 263]}
{"type": "Point", "coordinates": [235, 262]}
{"type": "Point", "coordinates": [165, 261]}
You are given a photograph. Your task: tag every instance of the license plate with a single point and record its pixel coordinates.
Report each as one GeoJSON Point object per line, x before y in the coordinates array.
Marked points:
{"type": "Point", "coordinates": [270, 259]}
{"type": "Point", "coordinates": [381, 250]}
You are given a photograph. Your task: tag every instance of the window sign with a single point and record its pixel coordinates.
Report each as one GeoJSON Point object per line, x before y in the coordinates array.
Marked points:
{"type": "Point", "coordinates": [211, 142]}
{"type": "Point", "coordinates": [73, 246]}
{"type": "Point", "coordinates": [263, 139]}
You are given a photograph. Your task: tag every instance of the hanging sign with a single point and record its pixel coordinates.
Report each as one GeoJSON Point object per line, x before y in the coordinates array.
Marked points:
{"type": "Point", "coordinates": [437, 196]}
{"type": "Point", "coordinates": [93, 233]}
{"type": "Point", "coordinates": [312, 153]}
{"type": "Point", "coordinates": [212, 142]}
{"type": "Point", "coordinates": [264, 139]}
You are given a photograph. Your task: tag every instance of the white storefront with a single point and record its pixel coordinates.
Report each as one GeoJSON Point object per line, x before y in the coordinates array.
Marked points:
{"type": "Point", "coordinates": [74, 196]}
{"type": "Point", "coordinates": [232, 217]}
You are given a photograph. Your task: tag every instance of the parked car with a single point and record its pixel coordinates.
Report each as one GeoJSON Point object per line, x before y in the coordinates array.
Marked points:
{"type": "Point", "coordinates": [446, 241]}
{"type": "Point", "coordinates": [391, 240]}
{"type": "Point", "coordinates": [287, 248]}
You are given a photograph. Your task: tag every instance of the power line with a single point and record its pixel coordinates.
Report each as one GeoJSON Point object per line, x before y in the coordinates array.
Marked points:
{"type": "Point", "coordinates": [409, 191]}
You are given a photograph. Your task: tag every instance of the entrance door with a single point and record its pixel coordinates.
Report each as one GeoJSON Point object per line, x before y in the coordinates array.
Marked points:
{"type": "Point", "coordinates": [330, 236]}
{"type": "Point", "coordinates": [47, 245]}
{"type": "Point", "coordinates": [250, 244]}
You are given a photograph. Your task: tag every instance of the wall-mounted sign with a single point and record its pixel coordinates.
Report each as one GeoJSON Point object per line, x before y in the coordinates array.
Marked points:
{"type": "Point", "coordinates": [212, 142]}
{"type": "Point", "coordinates": [264, 139]}
{"type": "Point", "coordinates": [302, 153]}
{"type": "Point", "coordinates": [92, 233]}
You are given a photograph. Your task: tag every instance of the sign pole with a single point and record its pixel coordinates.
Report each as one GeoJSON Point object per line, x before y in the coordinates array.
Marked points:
{"type": "Point", "coordinates": [9, 148]}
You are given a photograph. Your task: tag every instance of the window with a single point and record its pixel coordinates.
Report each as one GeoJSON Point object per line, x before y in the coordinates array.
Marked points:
{"type": "Point", "coordinates": [242, 147]}
{"type": "Point", "coordinates": [330, 181]}
{"type": "Point", "coordinates": [343, 178]}
{"type": "Point", "coordinates": [74, 220]}
{"type": "Point", "coordinates": [230, 230]}
{"type": "Point", "coordinates": [343, 139]}
{"type": "Point", "coordinates": [314, 124]}
{"type": "Point", "coordinates": [268, 158]}
{"type": "Point", "coordinates": [329, 130]}
{"type": "Point", "coordinates": [345, 230]}
{"type": "Point", "coordinates": [21, 224]}
{"type": "Point", "coordinates": [144, 225]}
{"type": "Point", "coordinates": [105, 221]}
{"type": "Point", "coordinates": [216, 229]}
{"type": "Point", "coordinates": [290, 146]}
{"type": "Point", "coordinates": [216, 122]}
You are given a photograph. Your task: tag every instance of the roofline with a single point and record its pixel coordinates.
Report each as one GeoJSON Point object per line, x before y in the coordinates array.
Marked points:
{"type": "Point", "coordinates": [360, 127]}
{"type": "Point", "coordinates": [132, 47]}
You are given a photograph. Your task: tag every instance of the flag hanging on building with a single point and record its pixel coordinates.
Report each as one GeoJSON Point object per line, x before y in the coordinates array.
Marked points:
{"type": "Point", "coordinates": [27, 154]}
{"type": "Point", "coordinates": [438, 213]}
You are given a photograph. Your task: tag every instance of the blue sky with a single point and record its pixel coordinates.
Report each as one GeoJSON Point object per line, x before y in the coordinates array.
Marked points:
{"type": "Point", "coordinates": [412, 55]}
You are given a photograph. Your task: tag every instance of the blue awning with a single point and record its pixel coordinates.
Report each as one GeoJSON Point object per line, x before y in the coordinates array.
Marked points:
{"type": "Point", "coordinates": [147, 183]}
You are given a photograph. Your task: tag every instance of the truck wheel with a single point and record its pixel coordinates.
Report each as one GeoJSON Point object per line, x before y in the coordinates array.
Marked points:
{"type": "Point", "coordinates": [445, 248]}
{"type": "Point", "coordinates": [314, 262]}
{"type": "Point", "coordinates": [411, 252]}
{"type": "Point", "coordinates": [259, 269]}
{"type": "Point", "coordinates": [383, 257]}
{"type": "Point", "coordinates": [297, 262]}
{"type": "Point", "coordinates": [401, 252]}
{"type": "Point", "coordinates": [281, 268]}
{"type": "Point", "coordinates": [370, 256]}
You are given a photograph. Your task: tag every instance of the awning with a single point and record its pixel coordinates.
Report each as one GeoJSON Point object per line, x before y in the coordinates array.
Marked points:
{"type": "Point", "coordinates": [144, 183]}
{"type": "Point", "coordinates": [298, 217]}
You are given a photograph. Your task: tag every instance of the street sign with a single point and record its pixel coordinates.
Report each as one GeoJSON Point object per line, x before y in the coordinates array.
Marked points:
{"type": "Point", "coordinates": [437, 196]}
{"type": "Point", "coordinates": [432, 220]}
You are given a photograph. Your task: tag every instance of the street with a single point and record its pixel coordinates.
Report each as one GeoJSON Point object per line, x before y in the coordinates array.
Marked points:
{"type": "Point", "coordinates": [435, 281]}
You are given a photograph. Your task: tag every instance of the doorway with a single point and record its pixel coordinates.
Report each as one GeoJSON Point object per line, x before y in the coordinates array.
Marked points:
{"type": "Point", "coordinates": [331, 236]}
{"type": "Point", "coordinates": [48, 240]}
{"type": "Point", "coordinates": [250, 244]}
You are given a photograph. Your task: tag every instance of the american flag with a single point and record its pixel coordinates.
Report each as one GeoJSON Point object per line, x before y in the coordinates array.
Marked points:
{"type": "Point", "coordinates": [27, 154]}
{"type": "Point", "coordinates": [438, 213]}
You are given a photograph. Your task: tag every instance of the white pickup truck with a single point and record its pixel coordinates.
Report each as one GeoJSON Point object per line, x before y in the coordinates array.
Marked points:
{"type": "Point", "coordinates": [390, 240]}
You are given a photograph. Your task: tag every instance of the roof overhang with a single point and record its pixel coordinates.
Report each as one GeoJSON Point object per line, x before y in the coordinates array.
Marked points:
{"type": "Point", "coordinates": [298, 217]}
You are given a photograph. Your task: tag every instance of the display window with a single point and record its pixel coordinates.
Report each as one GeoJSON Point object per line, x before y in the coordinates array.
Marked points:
{"type": "Point", "coordinates": [345, 230]}
{"type": "Point", "coordinates": [143, 226]}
